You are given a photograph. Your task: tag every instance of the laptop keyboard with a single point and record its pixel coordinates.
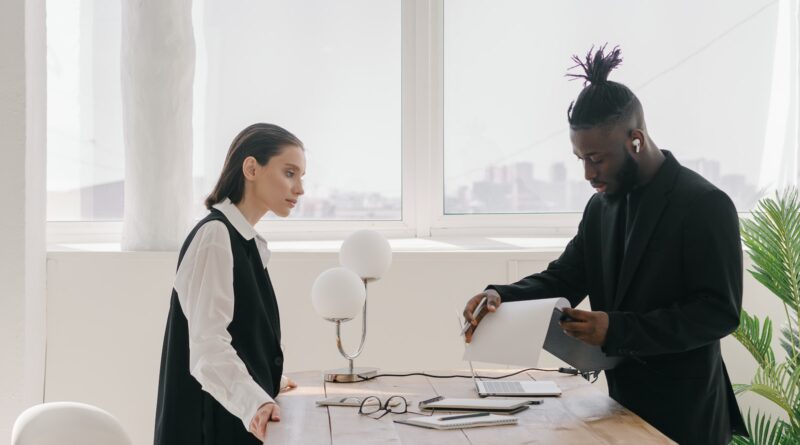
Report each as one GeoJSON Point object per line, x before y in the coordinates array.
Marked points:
{"type": "Point", "coordinates": [498, 387]}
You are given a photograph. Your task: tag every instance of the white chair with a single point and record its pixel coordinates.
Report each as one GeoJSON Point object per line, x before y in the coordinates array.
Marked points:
{"type": "Point", "coordinates": [67, 423]}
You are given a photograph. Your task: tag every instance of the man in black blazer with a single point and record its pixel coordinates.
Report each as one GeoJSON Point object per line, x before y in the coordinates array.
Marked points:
{"type": "Point", "coordinates": [659, 254]}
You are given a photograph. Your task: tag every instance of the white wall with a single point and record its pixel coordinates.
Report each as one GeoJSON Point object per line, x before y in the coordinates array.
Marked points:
{"type": "Point", "coordinates": [107, 311]}
{"type": "Point", "coordinates": [22, 178]}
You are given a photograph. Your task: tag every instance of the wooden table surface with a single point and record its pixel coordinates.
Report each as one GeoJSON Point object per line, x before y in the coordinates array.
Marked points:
{"type": "Point", "coordinates": [582, 415]}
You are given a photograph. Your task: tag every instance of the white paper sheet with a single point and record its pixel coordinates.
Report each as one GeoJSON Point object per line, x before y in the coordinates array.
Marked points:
{"type": "Point", "coordinates": [514, 334]}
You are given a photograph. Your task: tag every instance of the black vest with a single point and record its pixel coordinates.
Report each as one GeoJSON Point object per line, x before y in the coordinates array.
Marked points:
{"type": "Point", "coordinates": [186, 414]}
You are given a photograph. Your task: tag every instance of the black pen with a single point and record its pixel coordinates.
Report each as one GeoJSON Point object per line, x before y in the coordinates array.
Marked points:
{"type": "Point", "coordinates": [435, 399]}
{"type": "Point", "coordinates": [464, 416]}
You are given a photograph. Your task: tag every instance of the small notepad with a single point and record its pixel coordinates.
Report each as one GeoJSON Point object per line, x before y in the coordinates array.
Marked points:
{"type": "Point", "coordinates": [469, 422]}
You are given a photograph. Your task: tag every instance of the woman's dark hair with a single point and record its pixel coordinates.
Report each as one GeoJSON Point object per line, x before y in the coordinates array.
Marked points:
{"type": "Point", "coordinates": [261, 141]}
{"type": "Point", "coordinates": [601, 101]}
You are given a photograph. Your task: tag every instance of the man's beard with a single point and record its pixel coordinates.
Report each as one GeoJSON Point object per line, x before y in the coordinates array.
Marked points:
{"type": "Point", "coordinates": [627, 178]}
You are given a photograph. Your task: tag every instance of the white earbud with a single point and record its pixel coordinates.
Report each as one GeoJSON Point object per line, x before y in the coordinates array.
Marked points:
{"type": "Point", "coordinates": [636, 144]}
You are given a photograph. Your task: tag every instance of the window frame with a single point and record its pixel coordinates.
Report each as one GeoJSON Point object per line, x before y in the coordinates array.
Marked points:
{"type": "Point", "coordinates": [422, 165]}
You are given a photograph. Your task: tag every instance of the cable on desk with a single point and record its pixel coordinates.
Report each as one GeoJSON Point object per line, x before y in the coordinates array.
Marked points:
{"type": "Point", "coordinates": [424, 374]}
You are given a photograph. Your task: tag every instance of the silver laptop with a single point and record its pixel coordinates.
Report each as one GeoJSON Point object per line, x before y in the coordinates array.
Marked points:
{"type": "Point", "coordinates": [514, 388]}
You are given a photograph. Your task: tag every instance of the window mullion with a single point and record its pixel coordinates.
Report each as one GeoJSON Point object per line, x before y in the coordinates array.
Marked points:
{"type": "Point", "coordinates": [422, 31]}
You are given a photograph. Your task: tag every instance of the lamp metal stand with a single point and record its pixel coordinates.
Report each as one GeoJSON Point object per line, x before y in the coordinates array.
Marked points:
{"type": "Point", "coordinates": [351, 373]}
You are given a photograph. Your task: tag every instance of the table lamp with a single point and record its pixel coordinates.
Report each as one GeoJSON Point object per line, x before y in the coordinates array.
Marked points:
{"type": "Point", "coordinates": [338, 293]}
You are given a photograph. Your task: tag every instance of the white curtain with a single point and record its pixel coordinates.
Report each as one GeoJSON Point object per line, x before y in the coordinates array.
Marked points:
{"type": "Point", "coordinates": [157, 64]}
{"type": "Point", "coordinates": [780, 164]}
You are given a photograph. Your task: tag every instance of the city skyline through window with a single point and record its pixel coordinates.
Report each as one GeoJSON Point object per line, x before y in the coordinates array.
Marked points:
{"type": "Point", "coordinates": [730, 117]}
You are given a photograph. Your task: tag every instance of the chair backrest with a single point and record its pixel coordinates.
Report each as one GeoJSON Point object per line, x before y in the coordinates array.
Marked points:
{"type": "Point", "coordinates": [67, 423]}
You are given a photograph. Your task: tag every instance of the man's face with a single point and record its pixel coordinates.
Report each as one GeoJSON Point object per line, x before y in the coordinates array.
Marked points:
{"type": "Point", "coordinates": [607, 164]}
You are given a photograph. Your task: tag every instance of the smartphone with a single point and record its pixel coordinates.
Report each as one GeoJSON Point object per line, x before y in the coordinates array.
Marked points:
{"type": "Point", "coordinates": [563, 317]}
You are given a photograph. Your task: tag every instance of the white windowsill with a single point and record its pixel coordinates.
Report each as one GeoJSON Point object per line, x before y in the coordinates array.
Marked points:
{"type": "Point", "coordinates": [434, 244]}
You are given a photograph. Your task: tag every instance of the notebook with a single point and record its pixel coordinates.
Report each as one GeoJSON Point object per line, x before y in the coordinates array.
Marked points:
{"type": "Point", "coordinates": [436, 423]}
{"type": "Point", "coordinates": [507, 406]}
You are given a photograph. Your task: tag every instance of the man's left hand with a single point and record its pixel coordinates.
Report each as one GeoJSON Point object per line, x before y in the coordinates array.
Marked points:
{"type": "Point", "coordinates": [587, 326]}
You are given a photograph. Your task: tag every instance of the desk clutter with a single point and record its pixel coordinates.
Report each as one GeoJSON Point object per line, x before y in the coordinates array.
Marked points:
{"type": "Point", "coordinates": [470, 412]}
{"type": "Point", "coordinates": [582, 414]}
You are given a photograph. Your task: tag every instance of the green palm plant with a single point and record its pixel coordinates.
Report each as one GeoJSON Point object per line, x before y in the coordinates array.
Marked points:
{"type": "Point", "coordinates": [772, 236]}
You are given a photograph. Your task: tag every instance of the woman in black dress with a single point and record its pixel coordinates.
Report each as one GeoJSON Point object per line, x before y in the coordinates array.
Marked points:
{"type": "Point", "coordinates": [222, 364]}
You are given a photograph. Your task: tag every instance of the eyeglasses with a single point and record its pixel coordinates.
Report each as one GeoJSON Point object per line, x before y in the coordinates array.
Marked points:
{"type": "Point", "coordinates": [394, 404]}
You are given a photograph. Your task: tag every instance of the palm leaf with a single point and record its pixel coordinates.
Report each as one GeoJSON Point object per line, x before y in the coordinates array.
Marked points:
{"type": "Point", "coordinates": [772, 394]}
{"type": "Point", "coordinates": [791, 337]}
{"type": "Point", "coordinates": [765, 431]}
{"type": "Point", "coordinates": [756, 340]}
{"type": "Point", "coordinates": [778, 384]}
{"type": "Point", "coordinates": [773, 237]}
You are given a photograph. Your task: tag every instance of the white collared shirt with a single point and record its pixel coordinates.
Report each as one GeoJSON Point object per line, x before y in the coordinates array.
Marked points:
{"type": "Point", "coordinates": [204, 284]}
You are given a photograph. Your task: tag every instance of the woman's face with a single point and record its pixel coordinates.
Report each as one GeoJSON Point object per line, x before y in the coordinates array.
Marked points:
{"type": "Point", "coordinates": [278, 185]}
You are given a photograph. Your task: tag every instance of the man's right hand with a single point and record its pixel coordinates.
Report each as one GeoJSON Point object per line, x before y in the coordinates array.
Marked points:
{"type": "Point", "coordinates": [492, 303]}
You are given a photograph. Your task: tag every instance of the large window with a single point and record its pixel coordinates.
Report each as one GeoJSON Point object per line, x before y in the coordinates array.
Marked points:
{"type": "Point", "coordinates": [422, 117]}
{"type": "Point", "coordinates": [715, 79]}
{"type": "Point", "coordinates": [327, 71]}
{"type": "Point", "coordinates": [85, 155]}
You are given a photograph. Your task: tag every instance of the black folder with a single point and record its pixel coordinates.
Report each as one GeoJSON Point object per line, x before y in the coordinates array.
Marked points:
{"type": "Point", "coordinates": [581, 356]}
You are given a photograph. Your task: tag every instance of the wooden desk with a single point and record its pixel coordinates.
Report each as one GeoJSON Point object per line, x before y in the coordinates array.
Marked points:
{"type": "Point", "coordinates": [582, 415]}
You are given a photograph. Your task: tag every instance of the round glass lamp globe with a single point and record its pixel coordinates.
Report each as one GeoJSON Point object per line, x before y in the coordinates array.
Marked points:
{"type": "Point", "coordinates": [338, 294]}
{"type": "Point", "coordinates": [367, 253]}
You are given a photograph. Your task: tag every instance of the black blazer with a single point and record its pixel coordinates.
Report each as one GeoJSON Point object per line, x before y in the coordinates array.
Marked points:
{"type": "Point", "coordinates": [677, 291]}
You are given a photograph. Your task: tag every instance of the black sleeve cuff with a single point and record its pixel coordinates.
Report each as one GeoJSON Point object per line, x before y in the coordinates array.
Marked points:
{"type": "Point", "coordinates": [508, 297]}
{"type": "Point", "coordinates": [615, 335]}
